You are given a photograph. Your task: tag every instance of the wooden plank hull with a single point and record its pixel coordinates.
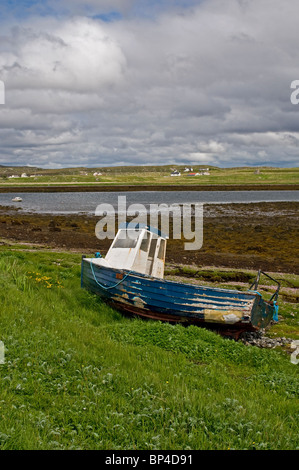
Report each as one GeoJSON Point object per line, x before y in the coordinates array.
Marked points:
{"type": "Point", "coordinates": [170, 301]}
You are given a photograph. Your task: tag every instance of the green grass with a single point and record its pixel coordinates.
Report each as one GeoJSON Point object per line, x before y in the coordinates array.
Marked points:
{"type": "Point", "coordinates": [79, 375]}
{"type": "Point", "coordinates": [152, 175]}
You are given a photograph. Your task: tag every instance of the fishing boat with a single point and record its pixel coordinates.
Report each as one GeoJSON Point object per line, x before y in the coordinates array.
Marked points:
{"type": "Point", "coordinates": [131, 278]}
{"type": "Point", "coordinates": [17, 199]}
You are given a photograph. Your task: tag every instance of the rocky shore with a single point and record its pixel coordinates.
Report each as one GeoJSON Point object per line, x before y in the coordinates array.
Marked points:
{"type": "Point", "coordinates": [260, 340]}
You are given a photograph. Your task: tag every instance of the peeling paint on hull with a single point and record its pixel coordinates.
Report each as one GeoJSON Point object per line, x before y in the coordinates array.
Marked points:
{"type": "Point", "coordinates": [174, 302]}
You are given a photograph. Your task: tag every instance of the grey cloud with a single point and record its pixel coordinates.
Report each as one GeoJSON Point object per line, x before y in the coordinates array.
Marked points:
{"type": "Point", "coordinates": [211, 85]}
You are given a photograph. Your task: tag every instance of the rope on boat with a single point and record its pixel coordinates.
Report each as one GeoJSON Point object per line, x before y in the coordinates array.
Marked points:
{"type": "Point", "coordinates": [107, 287]}
{"type": "Point", "coordinates": [275, 314]}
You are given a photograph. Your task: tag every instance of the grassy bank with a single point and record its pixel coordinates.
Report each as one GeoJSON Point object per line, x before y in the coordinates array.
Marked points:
{"type": "Point", "coordinates": [78, 375]}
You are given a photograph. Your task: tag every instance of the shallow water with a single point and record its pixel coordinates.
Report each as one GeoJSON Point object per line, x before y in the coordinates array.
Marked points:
{"type": "Point", "coordinates": [87, 202]}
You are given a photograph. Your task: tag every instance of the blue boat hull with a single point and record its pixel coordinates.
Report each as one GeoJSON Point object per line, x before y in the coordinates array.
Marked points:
{"type": "Point", "coordinates": [170, 301]}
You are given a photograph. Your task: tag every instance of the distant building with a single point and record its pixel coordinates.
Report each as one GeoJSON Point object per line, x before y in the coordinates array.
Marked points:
{"type": "Point", "coordinates": [24, 175]}
{"type": "Point", "coordinates": [203, 172]}
{"type": "Point", "coordinates": [175, 173]}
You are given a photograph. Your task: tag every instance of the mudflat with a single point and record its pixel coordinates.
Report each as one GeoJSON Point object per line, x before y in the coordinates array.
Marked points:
{"type": "Point", "coordinates": [246, 236]}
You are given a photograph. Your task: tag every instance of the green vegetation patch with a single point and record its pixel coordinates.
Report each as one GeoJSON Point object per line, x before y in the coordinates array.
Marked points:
{"type": "Point", "coordinates": [151, 175]}
{"type": "Point", "coordinates": [79, 375]}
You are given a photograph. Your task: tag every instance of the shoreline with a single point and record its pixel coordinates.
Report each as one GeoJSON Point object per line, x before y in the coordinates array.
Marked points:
{"type": "Point", "coordinates": [96, 187]}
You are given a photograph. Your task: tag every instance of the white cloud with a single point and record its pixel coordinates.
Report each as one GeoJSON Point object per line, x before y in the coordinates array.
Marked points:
{"type": "Point", "coordinates": [75, 56]}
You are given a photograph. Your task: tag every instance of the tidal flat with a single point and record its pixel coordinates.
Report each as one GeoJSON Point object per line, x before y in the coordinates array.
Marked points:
{"type": "Point", "coordinates": [246, 236]}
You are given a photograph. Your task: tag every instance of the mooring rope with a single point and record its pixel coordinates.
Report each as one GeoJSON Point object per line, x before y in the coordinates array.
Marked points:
{"type": "Point", "coordinates": [107, 287]}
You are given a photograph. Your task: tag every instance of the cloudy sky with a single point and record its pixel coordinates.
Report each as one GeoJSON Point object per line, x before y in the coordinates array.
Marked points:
{"type": "Point", "coordinates": [131, 82]}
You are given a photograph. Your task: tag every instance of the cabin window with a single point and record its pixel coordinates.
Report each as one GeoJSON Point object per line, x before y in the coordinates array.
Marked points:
{"type": "Point", "coordinates": [162, 246]}
{"type": "Point", "coordinates": [125, 240]}
{"type": "Point", "coordinates": [153, 248]}
{"type": "Point", "coordinates": [145, 242]}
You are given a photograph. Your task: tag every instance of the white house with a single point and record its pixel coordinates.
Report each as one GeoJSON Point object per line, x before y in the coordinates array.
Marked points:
{"type": "Point", "coordinates": [203, 172]}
